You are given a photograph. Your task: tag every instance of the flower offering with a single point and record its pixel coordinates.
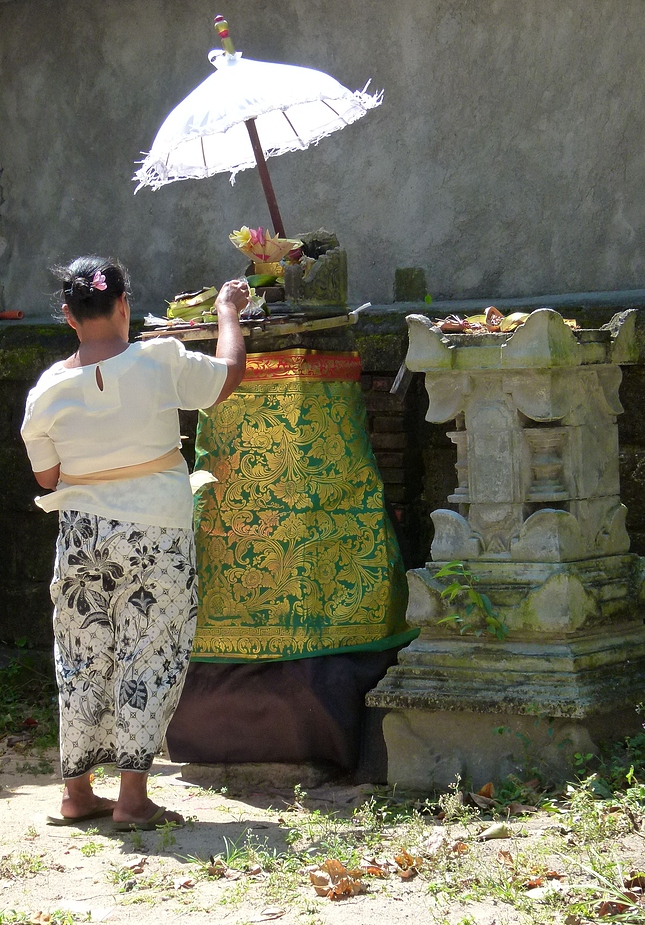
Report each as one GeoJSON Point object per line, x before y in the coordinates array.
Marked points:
{"type": "Point", "coordinates": [261, 246]}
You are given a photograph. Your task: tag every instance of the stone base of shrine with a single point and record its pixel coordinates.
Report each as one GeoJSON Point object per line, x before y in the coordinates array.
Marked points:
{"type": "Point", "coordinates": [246, 776]}
{"type": "Point", "coordinates": [483, 709]}
{"type": "Point", "coordinates": [429, 750]}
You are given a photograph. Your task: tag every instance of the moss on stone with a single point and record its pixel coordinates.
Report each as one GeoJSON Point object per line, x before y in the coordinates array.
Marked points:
{"type": "Point", "coordinates": [381, 352]}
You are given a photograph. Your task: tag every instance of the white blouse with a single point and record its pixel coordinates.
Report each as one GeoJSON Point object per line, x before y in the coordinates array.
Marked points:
{"type": "Point", "coordinates": [126, 415]}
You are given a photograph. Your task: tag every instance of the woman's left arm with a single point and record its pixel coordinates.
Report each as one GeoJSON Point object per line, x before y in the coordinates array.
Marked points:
{"type": "Point", "coordinates": [48, 478]}
{"type": "Point", "coordinates": [40, 447]}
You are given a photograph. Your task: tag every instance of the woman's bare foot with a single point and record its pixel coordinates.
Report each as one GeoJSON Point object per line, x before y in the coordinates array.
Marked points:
{"type": "Point", "coordinates": [79, 800]}
{"type": "Point", "coordinates": [149, 818]}
{"type": "Point", "coordinates": [134, 806]}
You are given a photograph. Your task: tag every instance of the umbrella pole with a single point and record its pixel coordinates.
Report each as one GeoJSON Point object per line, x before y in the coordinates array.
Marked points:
{"type": "Point", "coordinates": [267, 186]}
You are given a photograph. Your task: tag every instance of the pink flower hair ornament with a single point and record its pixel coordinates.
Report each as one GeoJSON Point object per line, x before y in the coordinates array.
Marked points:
{"type": "Point", "coordinates": [98, 281]}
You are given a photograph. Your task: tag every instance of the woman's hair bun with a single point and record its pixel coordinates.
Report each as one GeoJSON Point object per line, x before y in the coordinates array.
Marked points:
{"type": "Point", "coordinates": [81, 288]}
{"type": "Point", "coordinates": [90, 285]}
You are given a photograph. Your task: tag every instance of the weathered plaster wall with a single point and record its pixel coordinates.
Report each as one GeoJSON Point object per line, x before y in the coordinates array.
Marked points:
{"type": "Point", "coordinates": [507, 158]}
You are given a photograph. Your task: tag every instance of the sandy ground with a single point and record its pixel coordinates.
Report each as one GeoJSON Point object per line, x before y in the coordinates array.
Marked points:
{"type": "Point", "coordinates": [93, 873]}
{"type": "Point", "coordinates": [72, 878]}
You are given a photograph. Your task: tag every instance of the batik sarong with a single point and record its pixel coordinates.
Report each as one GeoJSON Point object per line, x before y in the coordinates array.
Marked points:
{"type": "Point", "coordinates": [296, 554]}
{"type": "Point", "coordinates": [125, 604]}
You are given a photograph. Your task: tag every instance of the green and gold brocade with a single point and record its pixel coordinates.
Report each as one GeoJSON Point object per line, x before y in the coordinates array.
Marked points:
{"type": "Point", "coordinates": [296, 554]}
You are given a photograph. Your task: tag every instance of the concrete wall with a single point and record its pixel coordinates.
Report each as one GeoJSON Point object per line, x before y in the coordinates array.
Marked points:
{"type": "Point", "coordinates": [507, 158]}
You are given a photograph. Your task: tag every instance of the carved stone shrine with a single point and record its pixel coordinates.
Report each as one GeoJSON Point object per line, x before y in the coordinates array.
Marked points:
{"type": "Point", "coordinates": [538, 522]}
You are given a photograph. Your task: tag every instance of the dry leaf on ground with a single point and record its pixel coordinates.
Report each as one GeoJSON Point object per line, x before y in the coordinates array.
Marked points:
{"type": "Point", "coordinates": [613, 907]}
{"type": "Point", "coordinates": [217, 867]}
{"type": "Point", "coordinates": [636, 880]}
{"type": "Point", "coordinates": [375, 868]}
{"type": "Point", "coordinates": [434, 844]}
{"type": "Point", "coordinates": [519, 809]}
{"type": "Point", "coordinates": [408, 865]}
{"type": "Point", "coordinates": [545, 891]}
{"type": "Point", "coordinates": [333, 880]}
{"type": "Point", "coordinates": [496, 830]}
{"type": "Point", "coordinates": [183, 883]}
{"type": "Point", "coordinates": [482, 801]}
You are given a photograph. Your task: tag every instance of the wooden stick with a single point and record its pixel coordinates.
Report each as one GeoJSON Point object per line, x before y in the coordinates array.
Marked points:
{"type": "Point", "coordinates": [267, 186]}
{"type": "Point", "coordinates": [221, 26]}
{"type": "Point", "coordinates": [209, 330]}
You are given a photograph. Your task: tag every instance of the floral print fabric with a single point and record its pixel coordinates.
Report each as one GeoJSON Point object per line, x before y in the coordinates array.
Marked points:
{"type": "Point", "coordinates": [296, 554]}
{"type": "Point", "coordinates": [125, 606]}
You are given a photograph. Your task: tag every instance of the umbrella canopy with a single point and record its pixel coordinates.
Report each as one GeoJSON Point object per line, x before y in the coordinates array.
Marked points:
{"type": "Point", "coordinates": [207, 133]}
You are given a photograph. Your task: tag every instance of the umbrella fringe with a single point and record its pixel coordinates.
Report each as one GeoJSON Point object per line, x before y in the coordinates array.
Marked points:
{"type": "Point", "coordinates": [155, 175]}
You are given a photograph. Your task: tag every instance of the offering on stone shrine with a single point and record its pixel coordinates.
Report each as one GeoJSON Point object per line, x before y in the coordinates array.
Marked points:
{"type": "Point", "coordinates": [490, 321]}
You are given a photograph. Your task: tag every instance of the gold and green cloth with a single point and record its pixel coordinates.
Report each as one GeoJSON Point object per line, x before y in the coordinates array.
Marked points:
{"type": "Point", "coordinates": [296, 554]}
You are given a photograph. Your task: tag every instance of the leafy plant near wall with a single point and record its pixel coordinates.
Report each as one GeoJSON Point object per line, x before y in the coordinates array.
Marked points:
{"type": "Point", "coordinates": [480, 617]}
{"type": "Point", "coordinates": [28, 700]}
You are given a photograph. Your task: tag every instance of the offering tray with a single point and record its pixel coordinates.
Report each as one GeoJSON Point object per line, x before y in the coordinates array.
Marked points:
{"type": "Point", "coordinates": [268, 327]}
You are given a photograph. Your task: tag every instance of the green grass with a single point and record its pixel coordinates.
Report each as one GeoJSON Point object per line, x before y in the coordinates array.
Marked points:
{"type": "Point", "coordinates": [42, 766]}
{"type": "Point", "coordinates": [29, 702]}
{"type": "Point", "coordinates": [91, 848]}
{"type": "Point", "coordinates": [20, 864]}
{"type": "Point", "coordinates": [13, 917]}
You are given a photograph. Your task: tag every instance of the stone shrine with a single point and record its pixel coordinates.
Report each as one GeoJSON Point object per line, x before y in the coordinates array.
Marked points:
{"type": "Point", "coordinates": [540, 527]}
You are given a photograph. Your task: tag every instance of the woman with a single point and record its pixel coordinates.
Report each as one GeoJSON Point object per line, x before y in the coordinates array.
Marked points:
{"type": "Point", "coordinates": [102, 429]}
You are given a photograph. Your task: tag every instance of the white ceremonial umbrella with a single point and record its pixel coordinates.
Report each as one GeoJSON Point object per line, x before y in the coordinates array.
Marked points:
{"type": "Point", "coordinates": [245, 112]}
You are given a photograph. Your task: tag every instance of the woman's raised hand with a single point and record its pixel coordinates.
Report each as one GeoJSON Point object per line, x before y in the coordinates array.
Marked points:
{"type": "Point", "coordinates": [231, 299]}
{"type": "Point", "coordinates": [234, 292]}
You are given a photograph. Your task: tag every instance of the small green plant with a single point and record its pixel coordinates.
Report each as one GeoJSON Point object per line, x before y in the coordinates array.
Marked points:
{"type": "Point", "coordinates": [90, 849]}
{"type": "Point", "coordinates": [21, 864]}
{"type": "Point", "coordinates": [453, 807]}
{"type": "Point", "coordinates": [28, 700]}
{"type": "Point", "coordinates": [166, 835]}
{"type": "Point", "coordinates": [57, 917]}
{"type": "Point", "coordinates": [480, 617]}
{"type": "Point", "coordinates": [42, 766]}
{"type": "Point", "coordinates": [608, 894]}
{"type": "Point", "coordinates": [236, 852]}
{"type": "Point", "coordinates": [136, 840]}
{"type": "Point", "coordinates": [128, 880]}
{"type": "Point", "coordinates": [580, 762]}
{"type": "Point", "coordinates": [235, 894]}
{"type": "Point", "coordinates": [587, 815]}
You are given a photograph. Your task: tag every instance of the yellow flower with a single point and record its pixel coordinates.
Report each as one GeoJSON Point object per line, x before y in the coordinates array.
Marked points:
{"type": "Point", "coordinates": [241, 238]}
